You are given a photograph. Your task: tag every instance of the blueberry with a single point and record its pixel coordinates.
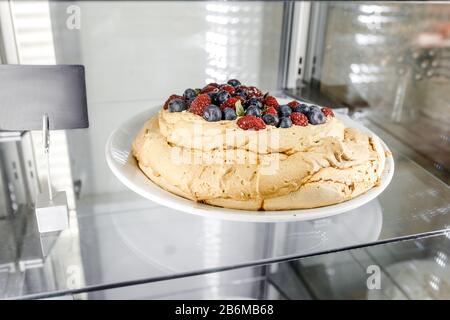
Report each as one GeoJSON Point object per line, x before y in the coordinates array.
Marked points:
{"type": "Point", "coordinates": [284, 111]}
{"type": "Point", "coordinates": [221, 97]}
{"type": "Point", "coordinates": [212, 113]}
{"type": "Point", "coordinates": [314, 108]}
{"type": "Point", "coordinates": [270, 119]}
{"type": "Point", "coordinates": [253, 102]}
{"type": "Point", "coordinates": [229, 114]}
{"type": "Point", "coordinates": [303, 108]}
{"type": "Point", "coordinates": [285, 122]}
{"type": "Point", "coordinates": [316, 116]}
{"type": "Point", "coordinates": [189, 94]}
{"type": "Point", "coordinates": [177, 105]}
{"type": "Point", "coordinates": [253, 111]}
{"type": "Point", "coordinates": [212, 95]}
{"type": "Point", "coordinates": [188, 102]}
{"type": "Point", "coordinates": [240, 92]}
{"type": "Point", "coordinates": [234, 82]}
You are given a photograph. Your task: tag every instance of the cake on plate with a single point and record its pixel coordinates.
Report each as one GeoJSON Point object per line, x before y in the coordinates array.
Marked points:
{"type": "Point", "coordinates": [232, 146]}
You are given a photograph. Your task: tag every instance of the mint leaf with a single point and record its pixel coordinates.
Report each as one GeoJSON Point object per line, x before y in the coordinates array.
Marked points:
{"type": "Point", "coordinates": [239, 108]}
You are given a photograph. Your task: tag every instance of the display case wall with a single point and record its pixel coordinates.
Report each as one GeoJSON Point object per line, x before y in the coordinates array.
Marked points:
{"type": "Point", "coordinates": [388, 62]}
{"type": "Point", "coordinates": [120, 245]}
{"type": "Point", "coordinates": [137, 54]}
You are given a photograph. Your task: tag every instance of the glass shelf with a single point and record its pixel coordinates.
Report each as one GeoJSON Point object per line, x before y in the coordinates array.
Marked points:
{"type": "Point", "coordinates": [342, 275]}
{"type": "Point", "coordinates": [117, 232]}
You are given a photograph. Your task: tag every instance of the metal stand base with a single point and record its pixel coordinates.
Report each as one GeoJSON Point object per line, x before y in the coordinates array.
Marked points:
{"type": "Point", "coordinates": [52, 215]}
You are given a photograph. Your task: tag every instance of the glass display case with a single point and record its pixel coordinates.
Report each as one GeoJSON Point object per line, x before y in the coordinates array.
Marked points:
{"type": "Point", "coordinates": [383, 64]}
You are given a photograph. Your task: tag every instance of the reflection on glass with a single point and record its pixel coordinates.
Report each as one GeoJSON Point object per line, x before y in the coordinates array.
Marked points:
{"type": "Point", "coordinates": [391, 62]}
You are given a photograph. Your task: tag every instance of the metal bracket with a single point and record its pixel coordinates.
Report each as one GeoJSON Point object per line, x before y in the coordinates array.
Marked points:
{"type": "Point", "coordinates": [52, 213]}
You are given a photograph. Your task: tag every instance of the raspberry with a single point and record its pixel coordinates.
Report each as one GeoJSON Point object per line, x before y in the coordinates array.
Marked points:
{"type": "Point", "coordinates": [293, 104]}
{"type": "Point", "coordinates": [228, 88]}
{"type": "Point", "coordinates": [251, 122]}
{"type": "Point", "coordinates": [213, 84]}
{"type": "Point", "coordinates": [272, 110]}
{"type": "Point", "coordinates": [231, 103]}
{"type": "Point", "coordinates": [209, 88]}
{"type": "Point", "coordinates": [271, 102]}
{"type": "Point", "coordinates": [327, 112]}
{"type": "Point", "coordinates": [242, 87]}
{"type": "Point", "coordinates": [253, 92]}
{"type": "Point", "coordinates": [299, 119]}
{"type": "Point", "coordinates": [199, 104]}
{"type": "Point", "coordinates": [172, 97]}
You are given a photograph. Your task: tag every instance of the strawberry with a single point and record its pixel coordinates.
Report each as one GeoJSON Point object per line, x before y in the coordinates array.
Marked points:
{"type": "Point", "coordinates": [172, 97]}
{"type": "Point", "coordinates": [231, 102]}
{"type": "Point", "coordinates": [199, 104]}
{"type": "Point", "coordinates": [299, 119]}
{"type": "Point", "coordinates": [272, 110]}
{"type": "Point", "coordinates": [251, 123]}
{"type": "Point", "coordinates": [327, 112]}
{"type": "Point", "coordinates": [228, 88]}
{"type": "Point", "coordinates": [271, 102]}
{"type": "Point", "coordinates": [293, 104]}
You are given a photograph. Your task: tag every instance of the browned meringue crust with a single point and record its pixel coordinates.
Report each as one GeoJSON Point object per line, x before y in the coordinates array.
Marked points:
{"type": "Point", "coordinates": [302, 167]}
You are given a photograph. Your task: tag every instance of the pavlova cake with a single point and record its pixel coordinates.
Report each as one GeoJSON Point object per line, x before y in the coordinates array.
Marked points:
{"type": "Point", "coordinates": [232, 146]}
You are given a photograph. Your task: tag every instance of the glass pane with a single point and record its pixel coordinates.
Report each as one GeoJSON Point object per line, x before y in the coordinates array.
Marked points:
{"type": "Point", "coordinates": [136, 54]}
{"type": "Point", "coordinates": [407, 270]}
{"type": "Point", "coordinates": [416, 269]}
{"type": "Point", "coordinates": [390, 61]}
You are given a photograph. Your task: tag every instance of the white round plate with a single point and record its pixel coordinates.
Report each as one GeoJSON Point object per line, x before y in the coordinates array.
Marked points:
{"type": "Point", "coordinates": [124, 166]}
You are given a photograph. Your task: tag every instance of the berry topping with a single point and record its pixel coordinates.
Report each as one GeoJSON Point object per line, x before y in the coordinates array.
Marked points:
{"type": "Point", "coordinates": [221, 97]}
{"type": "Point", "coordinates": [253, 102]}
{"type": "Point", "coordinates": [234, 82]}
{"type": "Point", "coordinates": [199, 104]}
{"type": "Point", "coordinates": [212, 113]}
{"type": "Point", "coordinates": [253, 92]}
{"type": "Point", "coordinates": [299, 119]}
{"type": "Point", "coordinates": [231, 103]}
{"type": "Point", "coordinates": [293, 104]}
{"type": "Point", "coordinates": [270, 101]}
{"type": "Point", "coordinates": [241, 91]}
{"type": "Point", "coordinates": [270, 119]}
{"type": "Point", "coordinates": [303, 108]}
{"type": "Point", "coordinates": [272, 110]}
{"type": "Point", "coordinates": [328, 112]}
{"type": "Point", "coordinates": [315, 116]}
{"type": "Point", "coordinates": [209, 88]}
{"type": "Point", "coordinates": [228, 88]}
{"type": "Point", "coordinates": [253, 111]}
{"type": "Point", "coordinates": [177, 105]}
{"type": "Point", "coordinates": [284, 111]}
{"type": "Point", "coordinates": [251, 123]}
{"type": "Point", "coordinates": [212, 95]}
{"type": "Point", "coordinates": [189, 94]}
{"type": "Point", "coordinates": [285, 122]}
{"type": "Point", "coordinates": [172, 97]}
{"type": "Point", "coordinates": [229, 114]}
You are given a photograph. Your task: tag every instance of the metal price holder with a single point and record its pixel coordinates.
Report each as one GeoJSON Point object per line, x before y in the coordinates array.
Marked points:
{"type": "Point", "coordinates": [44, 98]}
